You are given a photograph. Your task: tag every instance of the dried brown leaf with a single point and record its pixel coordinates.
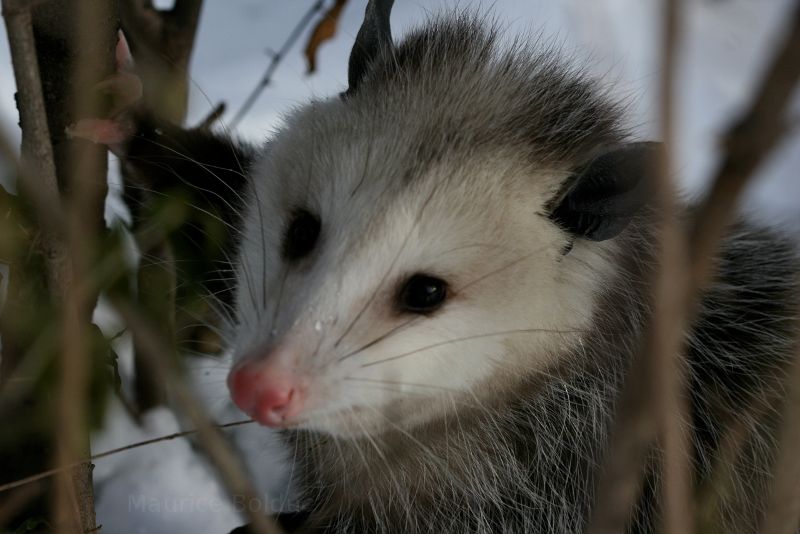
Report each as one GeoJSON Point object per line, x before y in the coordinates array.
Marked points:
{"type": "Point", "coordinates": [325, 30]}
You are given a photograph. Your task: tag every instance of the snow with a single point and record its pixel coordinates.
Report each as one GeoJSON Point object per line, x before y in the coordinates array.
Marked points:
{"type": "Point", "coordinates": [163, 488]}
{"type": "Point", "coordinates": [167, 487]}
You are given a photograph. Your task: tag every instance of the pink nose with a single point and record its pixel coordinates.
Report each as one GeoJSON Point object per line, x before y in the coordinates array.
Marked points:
{"type": "Point", "coordinates": [265, 392]}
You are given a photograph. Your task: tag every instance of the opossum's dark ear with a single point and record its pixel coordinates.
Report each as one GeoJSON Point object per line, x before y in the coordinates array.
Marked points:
{"type": "Point", "coordinates": [603, 195]}
{"type": "Point", "coordinates": [375, 35]}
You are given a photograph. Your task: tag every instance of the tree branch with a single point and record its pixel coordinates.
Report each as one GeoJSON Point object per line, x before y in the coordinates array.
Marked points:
{"type": "Point", "coordinates": [649, 404]}
{"type": "Point", "coordinates": [37, 151]}
{"type": "Point", "coordinates": [275, 60]}
{"type": "Point", "coordinates": [748, 142]}
{"type": "Point", "coordinates": [87, 57]}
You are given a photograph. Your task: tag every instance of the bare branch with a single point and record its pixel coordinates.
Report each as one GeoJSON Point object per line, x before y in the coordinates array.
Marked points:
{"type": "Point", "coordinates": [747, 144]}
{"type": "Point", "coordinates": [275, 61]}
{"type": "Point", "coordinates": [37, 152]}
{"type": "Point", "coordinates": [670, 309]}
{"type": "Point", "coordinates": [105, 454]}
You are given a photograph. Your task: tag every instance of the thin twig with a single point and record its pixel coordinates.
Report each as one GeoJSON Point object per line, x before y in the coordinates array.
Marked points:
{"type": "Point", "coordinates": [275, 61]}
{"type": "Point", "coordinates": [160, 357]}
{"type": "Point", "coordinates": [111, 452]}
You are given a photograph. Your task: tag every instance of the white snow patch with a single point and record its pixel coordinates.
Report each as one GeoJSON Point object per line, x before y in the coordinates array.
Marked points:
{"type": "Point", "coordinates": [161, 488]}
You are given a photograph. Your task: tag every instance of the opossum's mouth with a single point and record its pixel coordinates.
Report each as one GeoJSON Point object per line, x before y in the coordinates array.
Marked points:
{"type": "Point", "coordinates": [401, 415]}
{"type": "Point", "coordinates": [277, 393]}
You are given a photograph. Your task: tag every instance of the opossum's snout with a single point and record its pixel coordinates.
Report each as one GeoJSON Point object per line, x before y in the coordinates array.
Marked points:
{"type": "Point", "coordinates": [268, 389]}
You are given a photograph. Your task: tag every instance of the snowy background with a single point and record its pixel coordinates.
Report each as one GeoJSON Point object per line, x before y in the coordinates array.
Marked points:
{"type": "Point", "coordinates": [167, 488]}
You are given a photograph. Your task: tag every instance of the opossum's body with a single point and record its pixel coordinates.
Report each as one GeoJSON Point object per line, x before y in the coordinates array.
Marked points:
{"type": "Point", "coordinates": [450, 160]}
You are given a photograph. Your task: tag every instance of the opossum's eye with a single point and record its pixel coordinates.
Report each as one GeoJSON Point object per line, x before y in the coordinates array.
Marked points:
{"type": "Point", "coordinates": [422, 294]}
{"type": "Point", "coordinates": [301, 235]}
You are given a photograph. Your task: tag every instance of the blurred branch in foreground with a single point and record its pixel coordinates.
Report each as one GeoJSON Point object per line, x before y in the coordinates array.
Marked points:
{"type": "Point", "coordinates": [748, 143]}
{"type": "Point", "coordinates": [162, 42]}
{"type": "Point", "coordinates": [55, 66]}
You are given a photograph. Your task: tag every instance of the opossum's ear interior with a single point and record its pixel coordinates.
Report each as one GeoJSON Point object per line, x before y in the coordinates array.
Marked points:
{"type": "Point", "coordinates": [375, 35]}
{"type": "Point", "coordinates": [598, 202]}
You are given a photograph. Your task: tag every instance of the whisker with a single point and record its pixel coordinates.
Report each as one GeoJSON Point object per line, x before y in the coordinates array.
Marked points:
{"type": "Point", "coordinates": [380, 338]}
{"type": "Point", "coordinates": [401, 383]}
{"type": "Point", "coordinates": [500, 269]}
{"type": "Point", "coordinates": [389, 270]}
{"type": "Point", "coordinates": [263, 246]}
{"type": "Point", "coordinates": [278, 300]}
{"type": "Point", "coordinates": [204, 167]}
{"type": "Point", "coordinates": [472, 337]}
{"type": "Point", "coordinates": [236, 231]}
{"type": "Point", "coordinates": [402, 326]}
{"type": "Point", "coordinates": [427, 450]}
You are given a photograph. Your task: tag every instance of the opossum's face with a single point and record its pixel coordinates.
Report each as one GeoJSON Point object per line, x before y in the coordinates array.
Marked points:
{"type": "Point", "coordinates": [378, 293]}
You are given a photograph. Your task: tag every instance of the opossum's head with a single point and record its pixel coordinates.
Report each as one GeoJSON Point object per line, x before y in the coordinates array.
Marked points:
{"type": "Point", "coordinates": [445, 223]}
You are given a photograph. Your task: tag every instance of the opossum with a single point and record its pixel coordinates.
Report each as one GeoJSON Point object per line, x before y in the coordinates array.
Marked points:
{"type": "Point", "coordinates": [442, 277]}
